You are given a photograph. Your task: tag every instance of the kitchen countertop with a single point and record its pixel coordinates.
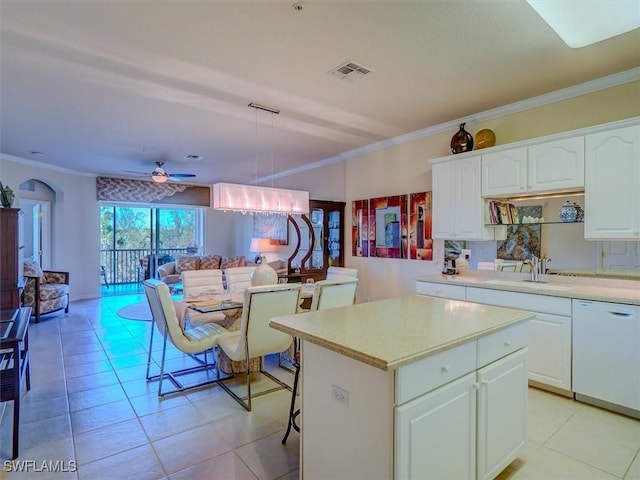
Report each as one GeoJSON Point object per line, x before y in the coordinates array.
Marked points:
{"type": "Point", "coordinates": [390, 333]}
{"type": "Point", "coordinates": [598, 289]}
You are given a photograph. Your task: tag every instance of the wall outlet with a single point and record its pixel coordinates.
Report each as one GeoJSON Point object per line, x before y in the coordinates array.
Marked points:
{"type": "Point", "coordinates": [340, 395]}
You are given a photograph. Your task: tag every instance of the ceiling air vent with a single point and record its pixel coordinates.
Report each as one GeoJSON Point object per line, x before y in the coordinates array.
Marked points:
{"type": "Point", "coordinates": [350, 71]}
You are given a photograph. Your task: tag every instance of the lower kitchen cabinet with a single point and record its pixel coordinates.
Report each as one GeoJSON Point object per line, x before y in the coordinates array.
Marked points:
{"type": "Point", "coordinates": [436, 433]}
{"type": "Point", "coordinates": [469, 428]}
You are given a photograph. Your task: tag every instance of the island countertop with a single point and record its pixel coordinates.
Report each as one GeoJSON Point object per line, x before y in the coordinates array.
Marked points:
{"type": "Point", "coordinates": [390, 333]}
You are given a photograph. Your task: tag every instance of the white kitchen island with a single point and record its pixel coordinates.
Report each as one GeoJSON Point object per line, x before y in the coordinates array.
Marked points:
{"type": "Point", "coordinates": [411, 388]}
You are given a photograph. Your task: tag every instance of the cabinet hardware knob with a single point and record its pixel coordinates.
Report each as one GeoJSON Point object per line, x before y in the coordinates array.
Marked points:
{"type": "Point", "coordinates": [445, 368]}
{"type": "Point", "coordinates": [507, 343]}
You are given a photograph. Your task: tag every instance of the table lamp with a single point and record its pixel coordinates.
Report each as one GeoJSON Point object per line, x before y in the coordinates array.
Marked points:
{"type": "Point", "coordinates": [264, 274]}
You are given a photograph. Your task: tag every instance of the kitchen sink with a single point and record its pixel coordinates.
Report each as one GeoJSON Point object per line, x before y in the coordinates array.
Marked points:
{"type": "Point", "coordinates": [530, 284]}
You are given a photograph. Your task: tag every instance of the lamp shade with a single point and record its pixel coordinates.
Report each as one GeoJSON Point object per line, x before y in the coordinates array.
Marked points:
{"type": "Point", "coordinates": [253, 199]}
{"type": "Point", "coordinates": [259, 245]}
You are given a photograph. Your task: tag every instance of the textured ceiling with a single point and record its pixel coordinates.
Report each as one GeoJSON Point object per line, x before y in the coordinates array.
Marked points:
{"type": "Point", "coordinates": [102, 87]}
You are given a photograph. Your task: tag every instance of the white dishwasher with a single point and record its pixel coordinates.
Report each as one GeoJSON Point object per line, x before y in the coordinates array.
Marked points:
{"type": "Point", "coordinates": [606, 355]}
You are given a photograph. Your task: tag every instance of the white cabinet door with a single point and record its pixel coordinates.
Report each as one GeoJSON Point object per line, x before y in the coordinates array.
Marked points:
{"type": "Point", "coordinates": [612, 184]}
{"type": "Point", "coordinates": [504, 173]}
{"type": "Point", "coordinates": [458, 208]}
{"type": "Point", "coordinates": [443, 198]}
{"type": "Point", "coordinates": [502, 413]}
{"type": "Point", "coordinates": [436, 433]}
{"type": "Point", "coordinates": [468, 204]}
{"type": "Point", "coordinates": [549, 342]}
{"type": "Point", "coordinates": [557, 165]}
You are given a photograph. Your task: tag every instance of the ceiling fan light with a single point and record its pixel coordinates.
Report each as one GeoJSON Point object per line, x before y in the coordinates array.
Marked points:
{"type": "Point", "coordinates": [159, 177]}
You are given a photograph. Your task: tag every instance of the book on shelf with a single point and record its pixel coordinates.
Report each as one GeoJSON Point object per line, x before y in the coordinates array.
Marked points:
{"type": "Point", "coordinates": [503, 213]}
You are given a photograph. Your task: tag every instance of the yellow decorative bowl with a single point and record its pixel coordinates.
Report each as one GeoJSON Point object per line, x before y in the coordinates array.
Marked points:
{"type": "Point", "coordinates": [485, 138]}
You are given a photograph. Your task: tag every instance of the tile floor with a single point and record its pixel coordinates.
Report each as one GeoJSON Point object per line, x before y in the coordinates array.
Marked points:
{"type": "Point", "coordinates": [89, 403]}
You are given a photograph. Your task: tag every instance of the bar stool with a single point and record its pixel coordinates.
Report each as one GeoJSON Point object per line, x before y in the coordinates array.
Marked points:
{"type": "Point", "coordinates": [326, 294]}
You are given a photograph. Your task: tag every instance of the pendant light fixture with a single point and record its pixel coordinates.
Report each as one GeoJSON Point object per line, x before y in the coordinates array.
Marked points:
{"type": "Point", "coordinates": [256, 199]}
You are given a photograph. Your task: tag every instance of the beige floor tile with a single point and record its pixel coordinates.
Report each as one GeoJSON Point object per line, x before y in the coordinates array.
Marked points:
{"type": "Point", "coordinates": [87, 382]}
{"type": "Point", "coordinates": [609, 426]}
{"type": "Point", "coordinates": [151, 403]}
{"type": "Point", "coordinates": [58, 454]}
{"type": "Point", "coordinates": [190, 448]}
{"type": "Point", "coordinates": [101, 416]}
{"type": "Point", "coordinates": [547, 464]}
{"type": "Point", "coordinates": [39, 410]}
{"type": "Point", "coordinates": [634, 470]}
{"type": "Point", "coordinates": [170, 421]}
{"type": "Point", "coordinates": [268, 458]}
{"type": "Point", "coordinates": [223, 467]}
{"type": "Point", "coordinates": [140, 463]}
{"type": "Point", "coordinates": [88, 368]}
{"type": "Point", "coordinates": [238, 430]}
{"type": "Point", "coordinates": [44, 391]}
{"type": "Point", "coordinates": [216, 405]}
{"type": "Point", "coordinates": [44, 431]}
{"type": "Point", "coordinates": [109, 440]}
{"type": "Point", "coordinates": [592, 450]}
{"type": "Point", "coordinates": [95, 396]}
{"type": "Point", "coordinates": [294, 475]}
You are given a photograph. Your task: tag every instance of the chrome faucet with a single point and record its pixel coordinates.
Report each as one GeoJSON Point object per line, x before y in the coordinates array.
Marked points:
{"type": "Point", "coordinates": [535, 265]}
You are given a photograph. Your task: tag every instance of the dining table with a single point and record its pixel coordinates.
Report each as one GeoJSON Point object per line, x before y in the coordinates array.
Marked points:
{"type": "Point", "coordinates": [231, 305]}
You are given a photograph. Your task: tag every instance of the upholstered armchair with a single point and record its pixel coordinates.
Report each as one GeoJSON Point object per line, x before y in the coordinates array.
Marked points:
{"type": "Point", "coordinates": [45, 291]}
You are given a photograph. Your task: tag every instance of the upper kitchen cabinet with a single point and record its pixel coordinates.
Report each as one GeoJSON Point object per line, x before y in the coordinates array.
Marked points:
{"type": "Point", "coordinates": [541, 168]}
{"type": "Point", "coordinates": [612, 184]}
{"type": "Point", "coordinates": [458, 209]}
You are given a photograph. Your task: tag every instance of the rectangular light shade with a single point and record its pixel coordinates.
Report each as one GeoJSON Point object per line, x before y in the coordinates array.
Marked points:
{"type": "Point", "coordinates": [253, 199]}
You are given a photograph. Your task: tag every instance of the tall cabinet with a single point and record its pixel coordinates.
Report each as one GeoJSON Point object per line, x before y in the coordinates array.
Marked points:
{"type": "Point", "coordinates": [322, 241]}
{"type": "Point", "coordinates": [11, 258]}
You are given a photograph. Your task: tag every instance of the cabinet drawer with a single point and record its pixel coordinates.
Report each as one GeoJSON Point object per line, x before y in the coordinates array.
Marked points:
{"type": "Point", "coordinates": [522, 301]}
{"type": "Point", "coordinates": [455, 292]}
{"type": "Point", "coordinates": [424, 375]}
{"type": "Point", "coordinates": [499, 344]}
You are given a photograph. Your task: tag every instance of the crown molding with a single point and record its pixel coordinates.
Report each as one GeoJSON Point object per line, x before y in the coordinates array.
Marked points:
{"type": "Point", "coordinates": [46, 166]}
{"type": "Point", "coordinates": [596, 85]}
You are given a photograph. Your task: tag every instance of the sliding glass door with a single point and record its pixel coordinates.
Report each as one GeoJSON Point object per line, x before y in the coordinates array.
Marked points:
{"type": "Point", "coordinates": [135, 240]}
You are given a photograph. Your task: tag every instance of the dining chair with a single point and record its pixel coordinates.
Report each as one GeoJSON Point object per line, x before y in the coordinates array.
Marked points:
{"type": "Point", "coordinates": [192, 341]}
{"type": "Point", "coordinates": [341, 272]}
{"type": "Point", "coordinates": [238, 278]}
{"type": "Point", "coordinates": [327, 294]}
{"type": "Point", "coordinates": [256, 338]}
{"type": "Point", "coordinates": [198, 283]}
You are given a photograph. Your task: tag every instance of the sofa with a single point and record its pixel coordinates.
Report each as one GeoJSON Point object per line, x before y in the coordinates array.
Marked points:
{"type": "Point", "coordinates": [170, 272]}
{"type": "Point", "coordinates": [45, 291]}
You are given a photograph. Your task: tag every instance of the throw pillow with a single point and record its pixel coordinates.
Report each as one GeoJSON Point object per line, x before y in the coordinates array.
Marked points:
{"type": "Point", "coordinates": [228, 262]}
{"type": "Point", "coordinates": [187, 262]}
{"type": "Point", "coordinates": [32, 269]}
{"type": "Point", "coordinates": [209, 262]}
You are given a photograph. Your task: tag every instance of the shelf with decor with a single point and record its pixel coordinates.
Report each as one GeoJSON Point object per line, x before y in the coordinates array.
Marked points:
{"type": "Point", "coordinates": [557, 209]}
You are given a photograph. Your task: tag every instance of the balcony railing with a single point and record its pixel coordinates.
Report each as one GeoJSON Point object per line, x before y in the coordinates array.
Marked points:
{"type": "Point", "coordinates": [125, 265]}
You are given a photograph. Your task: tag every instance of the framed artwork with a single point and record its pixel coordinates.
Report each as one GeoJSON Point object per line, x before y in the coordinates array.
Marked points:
{"type": "Point", "coordinates": [388, 227]}
{"type": "Point", "coordinates": [360, 228]}
{"type": "Point", "coordinates": [274, 227]}
{"type": "Point", "coordinates": [420, 242]}
{"type": "Point", "coordinates": [522, 240]}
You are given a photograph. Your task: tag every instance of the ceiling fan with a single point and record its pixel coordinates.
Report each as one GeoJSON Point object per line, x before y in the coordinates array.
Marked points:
{"type": "Point", "coordinates": [159, 175]}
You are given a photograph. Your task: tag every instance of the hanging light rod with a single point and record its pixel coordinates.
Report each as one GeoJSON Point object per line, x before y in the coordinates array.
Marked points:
{"type": "Point", "coordinates": [264, 107]}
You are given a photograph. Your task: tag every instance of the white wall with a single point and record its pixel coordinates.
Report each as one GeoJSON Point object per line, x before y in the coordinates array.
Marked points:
{"type": "Point", "coordinates": [75, 227]}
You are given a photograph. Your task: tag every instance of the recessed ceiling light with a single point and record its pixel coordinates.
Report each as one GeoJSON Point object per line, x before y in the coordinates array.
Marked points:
{"type": "Point", "coordinates": [193, 157]}
{"type": "Point", "coordinates": [583, 22]}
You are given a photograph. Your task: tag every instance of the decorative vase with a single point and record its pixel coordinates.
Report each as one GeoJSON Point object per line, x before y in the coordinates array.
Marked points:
{"type": "Point", "coordinates": [462, 141]}
{"type": "Point", "coordinates": [568, 212]}
{"type": "Point", "coordinates": [264, 275]}
{"type": "Point", "coordinates": [579, 212]}
{"type": "Point", "coordinates": [485, 138]}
